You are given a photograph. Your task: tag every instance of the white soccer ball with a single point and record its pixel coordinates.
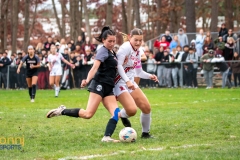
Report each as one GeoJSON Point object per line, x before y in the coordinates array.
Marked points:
{"type": "Point", "coordinates": [128, 134]}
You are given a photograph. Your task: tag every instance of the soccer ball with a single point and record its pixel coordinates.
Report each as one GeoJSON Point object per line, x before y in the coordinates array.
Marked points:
{"type": "Point", "coordinates": [128, 134]}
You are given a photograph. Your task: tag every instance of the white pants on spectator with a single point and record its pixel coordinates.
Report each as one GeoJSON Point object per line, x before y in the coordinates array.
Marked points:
{"type": "Point", "coordinates": [208, 75]}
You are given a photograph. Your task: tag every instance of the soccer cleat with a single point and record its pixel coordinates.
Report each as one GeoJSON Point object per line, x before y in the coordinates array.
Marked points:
{"type": "Point", "coordinates": [126, 122]}
{"type": "Point", "coordinates": [146, 135]}
{"type": "Point", "coordinates": [56, 112]}
{"type": "Point", "coordinates": [109, 139]}
{"type": "Point", "coordinates": [32, 100]}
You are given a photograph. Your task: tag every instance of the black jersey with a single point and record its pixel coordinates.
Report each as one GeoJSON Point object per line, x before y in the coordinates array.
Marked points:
{"type": "Point", "coordinates": [31, 61]}
{"type": "Point", "coordinates": [108, 68]}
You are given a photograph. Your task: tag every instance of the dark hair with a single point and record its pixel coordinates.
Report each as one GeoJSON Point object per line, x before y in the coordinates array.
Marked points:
{"type": "Point", "coordinates": [136, 31]}
{"type": "Point", "coordinates": [104, 33]}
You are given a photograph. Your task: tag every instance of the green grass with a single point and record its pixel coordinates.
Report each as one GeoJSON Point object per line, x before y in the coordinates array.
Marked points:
{"type": "Point", "coordinates": [187, 124]}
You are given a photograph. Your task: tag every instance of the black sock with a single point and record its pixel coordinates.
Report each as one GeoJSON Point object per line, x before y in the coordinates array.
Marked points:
{"type": "Point", "coordinates": [30, 92]}
{"type": "Point", "coordinates": [33, 91]}
{"type": "Point", "coordinates": [112, 124]}
{"type": "Point", "coordinates": [71, 112]}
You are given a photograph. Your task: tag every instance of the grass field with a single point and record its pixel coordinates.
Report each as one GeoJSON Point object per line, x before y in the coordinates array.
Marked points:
{"type": "Point", "coordinates": [186, 123]}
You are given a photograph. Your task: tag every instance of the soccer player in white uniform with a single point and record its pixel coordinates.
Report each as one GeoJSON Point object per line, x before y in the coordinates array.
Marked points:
{"type": "Point", "coordinates": [127, 91]}
{"type": "Point", "coordinates": [55, 68]}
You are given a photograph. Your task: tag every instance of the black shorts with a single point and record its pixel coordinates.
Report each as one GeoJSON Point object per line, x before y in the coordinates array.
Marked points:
{"type": "Point", "coordinates": [100, 88]}
{"type": "Point", "coordinates": [31, 74]}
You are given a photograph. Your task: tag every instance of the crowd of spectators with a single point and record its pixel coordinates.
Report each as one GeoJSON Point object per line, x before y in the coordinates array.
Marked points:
{"type": "Point", "coordinates": [175, 61]}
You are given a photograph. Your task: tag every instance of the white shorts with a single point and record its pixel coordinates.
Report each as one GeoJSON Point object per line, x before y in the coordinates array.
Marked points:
{"type": "Point", "coordinates": [56, 72]}
{"type": "Point", "coordinates": [120, 88]}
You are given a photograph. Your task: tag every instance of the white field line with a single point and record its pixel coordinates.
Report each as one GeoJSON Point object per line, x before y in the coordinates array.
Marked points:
{"type": "Point", "coordinates": [142, 150]}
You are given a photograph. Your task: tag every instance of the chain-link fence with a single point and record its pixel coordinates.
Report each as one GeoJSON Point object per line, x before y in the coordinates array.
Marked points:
{"type": "Point", "coordinates": [170, 75]}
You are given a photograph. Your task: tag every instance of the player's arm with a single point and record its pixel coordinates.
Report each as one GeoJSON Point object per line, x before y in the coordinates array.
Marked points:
{"type": "Point", "coordinates": [68, 63]}
{"type": "Point", "coordinates": [142, 74]}
{"type": "Point", "coordinates": [91, 73]}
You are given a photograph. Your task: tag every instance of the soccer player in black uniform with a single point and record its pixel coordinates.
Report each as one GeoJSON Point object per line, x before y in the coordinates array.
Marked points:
{"type": "Point", "coordinates": [32, 65]}
{"type": "Point", "coordinates": [101, 78]}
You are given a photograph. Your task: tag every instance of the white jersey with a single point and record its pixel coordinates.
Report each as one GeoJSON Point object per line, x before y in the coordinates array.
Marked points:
{"type": "Point", "coordinates": [126, 50]}
{"type": "Point", "coordinates": [55, 60]}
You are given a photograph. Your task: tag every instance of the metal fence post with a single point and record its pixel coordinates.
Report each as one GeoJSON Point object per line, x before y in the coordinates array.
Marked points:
{"type": "Point", "coordinates": [181, 74]}
{"type": "Point", "coordinates": [7, 78]}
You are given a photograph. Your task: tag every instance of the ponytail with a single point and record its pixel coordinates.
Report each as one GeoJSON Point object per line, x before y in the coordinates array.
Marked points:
{"type": "Point", "coordinates": [104, 34]}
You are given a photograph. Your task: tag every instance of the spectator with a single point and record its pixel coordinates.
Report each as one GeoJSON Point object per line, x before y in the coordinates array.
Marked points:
{"type": "Point", "coordinates": [224, 69]}
{"type": "Point", "coordinates": [5, 62]}
{"type": "Point", "coordinates": [167, 69]}
{"type": "Point", "coordinates": [193, 44]}
{"type": "Point", "coordinates": [230, 34]}
{"type": "Point", "coordinates": [73, 47]}
{"type": "Point", "coordinates": [219, 45]}
{"type": "Point", "coordinates": [177, 58]}
{"type": "Point", "coordinates": [182, 37]}
{"type": "Point", "coordinates": [167, 35]}
{"type": "Point", "coordinates": [235, 66]}
{"type": "Point", "coordinates": [229, 49]}
{"type": "Point", "coordinates": [39, 47]}
{"type": "Point", "coordinates": [208, 44]}
{"type": "Point", "coordinates": [184, 73]}
{"type": "Point", "coordinates": [199, 42]}
{"type": "Point", "coordinates": [151, 68]}
{"type": "Point", "coordinates": [160, 68]}
{"type": "Point", "coordinates": [48, 44]}
{"type": "Point", "coordinates": [223, 30]}
{"type": "Point", "coordinates": [192, 60]}
{"type": "Point", "coordinates": [63, 45]}
{"type": "Point", "coordinates": [78, 70]}
{"type": "Point", "coordinates": [12, 73]}
{"type": "Point", "coordinates": [41, 72]}
{"type": "Point", "coordinates": [81, 39]}
{"type": "Point", "coordinates": [1, 69]}
{"type": "Point", "coordinates": [208, 68]}
{"type": "Point", "coordinates": [175, 42]}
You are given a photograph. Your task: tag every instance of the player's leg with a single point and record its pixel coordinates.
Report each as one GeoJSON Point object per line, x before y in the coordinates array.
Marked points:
{"type": "Point", "coordinates": [144, 105]}
{"type": "Point", "coordinates": [111, 105]}
{"type": "Point", "coordinates": [34, 87]}
{"type": "Point", "coordinates": [93, 102]}
{"type": "Point", "coordinates": [51, 81]}
{"type": "Point", "coordinates": [57, 82]}
{"type": "Point", "coordinates": [29, 83]}
{"type": "Point", "coordinates": [137, 80]}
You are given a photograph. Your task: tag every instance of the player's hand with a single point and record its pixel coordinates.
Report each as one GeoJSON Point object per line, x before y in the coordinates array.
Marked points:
{"type": "Point", "coordinates": [130, 85]}
{"type": "Point", "coordinates": [84, 83]}
{"type": "Point", "coordinates": [154, 78]}
{"type": "Point", "coordinates": [31, 66]}
{"type": "Point", "coordinates": [73, 66]}
{"type": "Point", "coordinates": [18, 71]}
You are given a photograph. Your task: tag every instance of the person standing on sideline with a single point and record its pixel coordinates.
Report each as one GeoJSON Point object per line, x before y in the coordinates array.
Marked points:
{"type": "Point", "coordinates": [126, 90]}
{"type": "Point", "coordinates": [208, 68]}
{"type": "Point", "coordinates": [199, 42]}
{"type": "Point", "coordinates": [101, 79]}
{"type": "Point", "coordinates": [32, 65]}
{"type": "Point", "coordinates": [55, 68]}
{"type": "Point", "coordinates": [182, 37]}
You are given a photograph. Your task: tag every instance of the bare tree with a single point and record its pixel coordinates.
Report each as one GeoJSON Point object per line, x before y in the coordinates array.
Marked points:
{"type": "Point", "coordinates": [190, 17]}
{"type": "Point", "coordinates": [26, 24]}
{"type": "Point", "coordinates": [63, 5]}
{"type": "Point", "coordinates": [214, 16]}
{"type": "Point", "coordinates": [124, 18]}
{"type": "Point", "coordinates": [3, 22]}
{"type": "Point", "coordinates": [228, 13]}
{"type": "Point", "coordinates": [159, 6]}
{"type": "Point", "coordinates": [109, 13]}
{"type": "Point", "coordinates": [33, 22]}
{"type": "Point", "coordinates": [130, 14]}
{"type": "Point", "coordinates": [15, 5]}
{"type": "Point", "coordinates": [137, 13]}
{"type": "Point", "coordinates": [57, 18]}
{"type": "Point", "coordinates": [86, 16]}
